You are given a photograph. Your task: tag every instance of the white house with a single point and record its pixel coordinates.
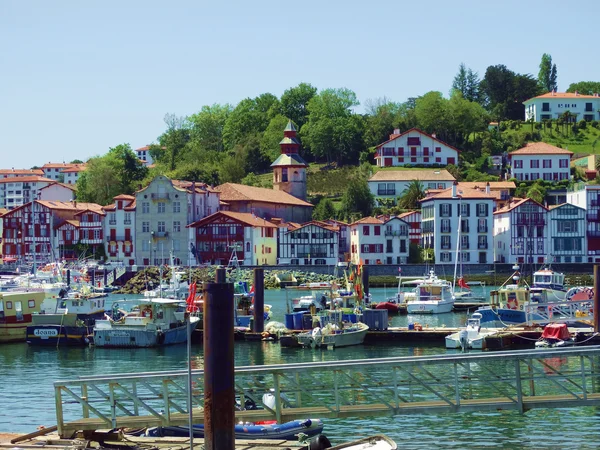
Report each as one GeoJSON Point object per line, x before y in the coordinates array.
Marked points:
{"type": "Point", "coordinates": [459, 220]}
{"type": "Point", "coordinates": [375, 241]}
{"type": "Point", "coordinates": [253, 239]}
{"type": "Point", "coordinates": [54, 170]}
{"type": "Point", "coordinates": [143, 154]}
{"type": "Point", "coordinates": [414, 147]}
{"type": "Point", "coordinates": [567, 234]}
{"type": "Point", "coordinates": [521, 233]}
{"type": "Point", "coordinates": [538, 160]}
{"type": "Point", "coordinates": [587, 196]}
{"type": "Point", "coordinates": [312, 243]}
{"type": "Point", "coordinates": [119, 230]}
{"type": "Point", "coordinates": [18, 191]}
{"type": "Point", "coordinates": [413, 219]}
{"type": "Point", "coordinates": [57, 191]}
{"type": "Point", "coordinates": [392, 183]}
{"type": "Point", "coordinates": [71, 174]}
{"type": "Point", "coordinates": [554, 104]}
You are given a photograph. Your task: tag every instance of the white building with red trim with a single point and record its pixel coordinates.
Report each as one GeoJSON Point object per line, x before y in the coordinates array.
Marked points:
{"type": "Point", "coordinates": [71, 174]}
{"type": "Point", "coordinates": [540, 161]}
{"type": "Point", "coordinates": [552, 105]}
{"type": "Point", "coordinates": [413, 219]}
{"type": "Point", "coordinates": [119, 229]}
{"type": "Point", "coordinates": [311, 243]}
{"type": "Point", "coordinates": [18, 191]}
{"type": "Point", "coordinates": [377, 241]}
{"type": "Point", "coordinates": [415, 147]}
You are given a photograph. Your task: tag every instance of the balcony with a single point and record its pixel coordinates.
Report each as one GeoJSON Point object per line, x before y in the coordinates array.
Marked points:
{"type": "Point", "coordinates": [160, 196]}
{"type": "Point", "coordinates": [127, 222]}
{"type": "Point", "coordinates": [160, 234]}
{"type": "Point", "coordinates": [532, 222]}
{"type": "Point", "coordinates": [386, 191]}
{"type": "Point", "coordinates": [482, 246]}
{"type": "Point", "coordinates": [312, 255]}
{"type": "Point", "coordinates": [112, 222]}
{"type": "Point", "coordinates": [482, 229]}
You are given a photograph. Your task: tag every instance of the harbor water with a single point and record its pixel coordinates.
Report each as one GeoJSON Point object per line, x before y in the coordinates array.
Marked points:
{"type": "Point", "coordinates": [27, 395]}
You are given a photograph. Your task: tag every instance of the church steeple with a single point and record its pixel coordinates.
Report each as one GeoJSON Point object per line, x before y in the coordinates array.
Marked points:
{"type": "Point", "coordinates": [289, 170]}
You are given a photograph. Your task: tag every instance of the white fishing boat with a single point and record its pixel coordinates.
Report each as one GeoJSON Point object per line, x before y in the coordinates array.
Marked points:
{"type": "Point", "coordinates": [469, 337]}
{"type": "Point", "coordinates": [155, 322]}
{"type": "Point", "coordinates": [432, 296]}
{"type": "Point", "coordinates": [377, 442]}
{"type": "Point", "coordinates": [548, 285]}
{"type": "Point", "coordinates": [334, 335]}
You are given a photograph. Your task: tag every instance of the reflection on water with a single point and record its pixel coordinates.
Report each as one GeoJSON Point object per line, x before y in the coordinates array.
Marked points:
{"type": "Point", "coordinates": [27, 395]}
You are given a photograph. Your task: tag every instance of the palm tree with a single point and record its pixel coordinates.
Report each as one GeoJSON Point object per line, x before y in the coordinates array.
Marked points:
{"type": "Point", "coordinates": [411, 195]}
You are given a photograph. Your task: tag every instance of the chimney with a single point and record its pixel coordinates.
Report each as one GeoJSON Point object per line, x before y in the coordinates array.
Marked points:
{"type": "Point", "coordinates": [433, 135]}
{"type": "Point", "coordinates": [487, 188]}
{"type": "Point", "coordinates": [396, 130]}
{"type": "Point", "coordinates": [454, 188]}
{"type": "Point", "coordinates": [576, 92]}
{"type": "Point", "coordinates": [595, 94]}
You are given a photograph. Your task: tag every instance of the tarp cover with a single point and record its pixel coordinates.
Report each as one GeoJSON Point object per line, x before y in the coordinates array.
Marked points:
{"type": "Point", "coordinates": [556, 331]}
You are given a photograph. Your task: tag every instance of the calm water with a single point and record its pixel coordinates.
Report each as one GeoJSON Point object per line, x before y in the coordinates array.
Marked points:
{"type": "Point", "coordinates": [27, 395]}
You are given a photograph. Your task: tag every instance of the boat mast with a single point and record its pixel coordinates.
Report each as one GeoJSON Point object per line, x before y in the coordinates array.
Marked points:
{"type": "Point", "coordinates": [457, 244]}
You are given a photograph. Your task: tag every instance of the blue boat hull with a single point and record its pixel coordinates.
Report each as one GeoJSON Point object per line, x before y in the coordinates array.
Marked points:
{"type": "Point", "coordinates": [128, 338]}
{"type": "Point", "coordinates": [286, 431]}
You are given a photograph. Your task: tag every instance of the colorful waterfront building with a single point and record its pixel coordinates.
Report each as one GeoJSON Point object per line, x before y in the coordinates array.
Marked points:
{"type": "Point", "coordinates": [311, 243]}
{"type": "Point", "coordinates": [119, 229]}
{"type": "Point", "coordinates": [567, 233]}
{"type": "Point", "coordinates": [225, 235]}
{"type": "Point", "coordinates": [391, 184]}
{"type": "Point", "coordinates": [379, 241]}
{"type": "Point", "coordinates": [540, 161]}
{"type": "Point", "coordinates": [587, 196]}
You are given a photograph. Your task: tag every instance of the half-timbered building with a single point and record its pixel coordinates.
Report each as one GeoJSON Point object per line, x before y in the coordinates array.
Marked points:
{"type": "Point", "coordinates": [312, 243]}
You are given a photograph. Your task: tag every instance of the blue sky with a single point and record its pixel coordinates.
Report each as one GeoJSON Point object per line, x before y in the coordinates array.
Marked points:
{"type": "Point", "coordinates": [78, 77]}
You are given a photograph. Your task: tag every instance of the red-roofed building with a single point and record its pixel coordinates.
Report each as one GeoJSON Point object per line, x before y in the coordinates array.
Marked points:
{"type": "Point", "coordinates": [553, 105]}
{"type": "Point", "coordinates": [218, 236]}
{"type": "Point", "coordinates": [379, 241]}
{"type": "Point", "coordinates": [71, 174]}
{"type": "Point", "coordinates": [119, 229]}
{"type": "Point", "coordinates": [311, 243]}
{"type": "Point", "coordinates": [414, 147]}
{"type": "Point", "coordinates": [538, 160]}
{"type": "Point", "coordinates": [459, 219]}
{"type": "Point", "coordinates": [33, 229]}
{"type": "Point", "coordinates": [143, 154]}
{"type": "Point", "coordinates": [413, 219]}
{"type": "Point", "coordinates": [17, 173]}
{"type": "Point", "coordinates": [18, 191]}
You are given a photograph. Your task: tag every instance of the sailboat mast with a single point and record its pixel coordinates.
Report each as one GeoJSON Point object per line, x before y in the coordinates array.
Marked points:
{"type": "Point", "coordinates": [457, 245]}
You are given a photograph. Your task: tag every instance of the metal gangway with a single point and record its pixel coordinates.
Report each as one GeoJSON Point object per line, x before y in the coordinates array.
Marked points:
{"type": "Point", "coordinates": [561, 311]}
{"type": "Point", "coordinates": [516, 380]}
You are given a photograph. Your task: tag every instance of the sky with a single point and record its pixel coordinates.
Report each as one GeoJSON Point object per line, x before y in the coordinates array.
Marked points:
{"type": "Point", "coordinates": [78, 77]}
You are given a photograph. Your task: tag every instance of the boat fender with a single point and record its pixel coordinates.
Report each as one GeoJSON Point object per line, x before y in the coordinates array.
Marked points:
{"type": "Point", "coordinates": [160, 339]}
{"type": "Point", "coordinates": [319, 442]}
{"type": "Point", "coordinates": [312, 342]}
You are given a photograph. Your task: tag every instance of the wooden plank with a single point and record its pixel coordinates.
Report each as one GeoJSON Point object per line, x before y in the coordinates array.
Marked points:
{"type": "Point", "coordinates": [37, 433]}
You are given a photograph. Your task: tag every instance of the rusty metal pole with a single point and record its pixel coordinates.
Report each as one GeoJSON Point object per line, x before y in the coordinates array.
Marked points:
{"type": "Point", "coordinates": [259, 300]}
{"type": "Point", "coordinates": [219, 391]}
{"type": "Point", "coordinates": [596, 297]}
{"type": "Point", "coordinates": [220, 275]}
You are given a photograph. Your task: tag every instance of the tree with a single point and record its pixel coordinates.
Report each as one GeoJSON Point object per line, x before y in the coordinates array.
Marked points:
{"type": "Point", "coordinates": [332, 131]}
{"type": "Point", "coordinates": [249, 117]}
{"type": "Point", "coordinates": [207, 126]}
{"type": "Point", "coordinates": [324, 210]}
{"type": "Point", "coordinates": [174, 139]}
{"type": "Point", "coordinates": [536, 192]}
{"type": "Point", "coordinates": [231, 170]}
{"type": "Point", "coordinates": [269, 142]}
{"type": "Point", "coordinates": [467, 83]}
{"type": "Point", "coordinates": [294, 103]}
{"type": "Point", "coordinates": [414, 192]}
{"type": "Point", "coordinates": [430, 111]}
{"type": "Point", "coordinates": [381, 117]}
{"type": "Point", "coordinates": [76, 161]}
{"type": "Point", "coordinates": [357, 200]}
{"type": "Point", "coordinates": [547, 75]}
{"type": "Point", "coordinates": [585, 87]}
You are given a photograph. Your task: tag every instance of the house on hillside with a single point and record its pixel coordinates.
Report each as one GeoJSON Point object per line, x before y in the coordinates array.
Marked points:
{"type": "Point", "coordinates": [459, 220]}
{"type": "Point", "coordinates": [553, 105]}
{"type": "Point", "coordinates": [17, 173]}
{"type": "Point", "coordinates": [379, 241]}
{"type": "Point", "coordinates": [390, 184]}
{"type": "Point", "coordinates": [221, 235]}
{"type": "Point", "coordinates": [18, 191]}
{"type": "Point", "coordinates": [540, 161]}
{"type": "Point", "coordinates": [71, 174]}
{"type": "Point", "coordinates": [414, 147]}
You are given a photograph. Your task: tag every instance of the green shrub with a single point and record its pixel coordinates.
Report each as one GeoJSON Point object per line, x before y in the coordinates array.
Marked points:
{"type": "Point", "coordinates": [582, 124]}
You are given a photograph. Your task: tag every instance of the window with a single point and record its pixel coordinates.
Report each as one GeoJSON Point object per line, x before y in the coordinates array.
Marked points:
{"type": "Point", "coordinates": [112, 219]}
{"type": "Point", "coordinates": [284, 175]}
{"type": "Point", "coordinates": [176, 226]}
{"type": "Point", "coordinates": [545, 107]}
{"type": "Point", "coordinates": [482, 242]}
{"type": "Point", "coordinates": [145, 208]}
{"type": "Point", "coordinates": [161, 227]}
{"type": "Point", "coordinates": [446, 242]}
{"type": "Point", "coordinates": [464, 242]}
{"type": "Point", "coordinates": [547, 164]}
{"type": "Point", "coordinates": [145, 227]}
{"type": "Point", "coordinates": [113, 248]}
{"type": "Point", "coordinates": [563, 163]}
{"type": "Point", "coordinates": [445, 210]}
{"type": "Point", "coordinates": [534, 164]}
{"type": "Point", "coordinates": [365, 230]}
{"type": "Point", "coordinates": [465, 209]}
{"type": "Point", "coordinates": [377, 230]}
{"type": "Point", "coordinates": [31, 303]}
{"type": "Point", "coordinates": [482, 210]}
{"type": "Point", "coordinates": [97, 234]}
{"type": "Point", "coordinates": [127, 220]}
{"type": "Point", "coordinates": [161, 207]}
{"type": "Point", "coordinates": [567, 226]}
{"type": "Point", "coordinates": [482, 226]}
{"type": "Point", "coordinates": [464, 225]}
{"type": "Point", "coordinates": [518, 164]}
{"type": "Point", "coordinates": [176, 207]}
{"type": "Point", "coordinates": [588, 107]}
{"type": "Point", "coordinates": [438, 149]}
{"type": "Point", "coordinates": [68, 235]}
{"type": "Point", "coordinates": [445, 257]}
{"type": "Point", "coordinates": [445, 226]}
{"type": "Point", "coordinates": [465, 256]}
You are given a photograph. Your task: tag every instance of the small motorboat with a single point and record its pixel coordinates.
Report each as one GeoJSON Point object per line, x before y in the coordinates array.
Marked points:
{"type": "Point", "coordinates": [469, 337]}
{"type": "Point", "coordinates": [377, 442]}
{"type": "Point", "coordinates": [334, 335]}
{"type": "Point", "coordinates": [555, 335]}
{"type": "Point", "coordinates": [288, 431]}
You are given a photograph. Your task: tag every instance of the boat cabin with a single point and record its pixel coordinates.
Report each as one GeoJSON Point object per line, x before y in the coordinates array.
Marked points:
{"type": "Point", "coordinates": [18, 308]}
{"type": "Point", "coordinates": [511, 296]}
{"type": "Point", "coordinates": [433, 292]}
{"type": "Point", "coordinates": [548, 279]}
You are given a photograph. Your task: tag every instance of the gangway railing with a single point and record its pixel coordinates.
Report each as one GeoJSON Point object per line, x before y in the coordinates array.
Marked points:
{"type": "Point", "coordinates": [564, 311]}
{"type": "Point", "coordinates": [515, 380]}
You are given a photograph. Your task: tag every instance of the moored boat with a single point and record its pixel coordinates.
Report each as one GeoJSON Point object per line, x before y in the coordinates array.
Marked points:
{"type": "Point", "coordinates": [377, 442]}
{"type": "Point", "coordinates": [469, 337]}
{"type": "Point", "coordinates": [155, 322]}
{"type": "Point", "coordinates": [16, 312]}
{"type": "Point", "coordinates": [334, 335]}
{"type": "Point", "coordinates": [432, 296]}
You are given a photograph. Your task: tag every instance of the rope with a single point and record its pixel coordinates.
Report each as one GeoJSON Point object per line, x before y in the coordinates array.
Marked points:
{"type": "Point", "coordinates": [61, 327]}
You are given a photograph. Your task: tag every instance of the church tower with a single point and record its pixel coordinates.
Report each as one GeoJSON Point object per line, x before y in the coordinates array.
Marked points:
{"type": "Point", "coordinates": [289, 170]}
